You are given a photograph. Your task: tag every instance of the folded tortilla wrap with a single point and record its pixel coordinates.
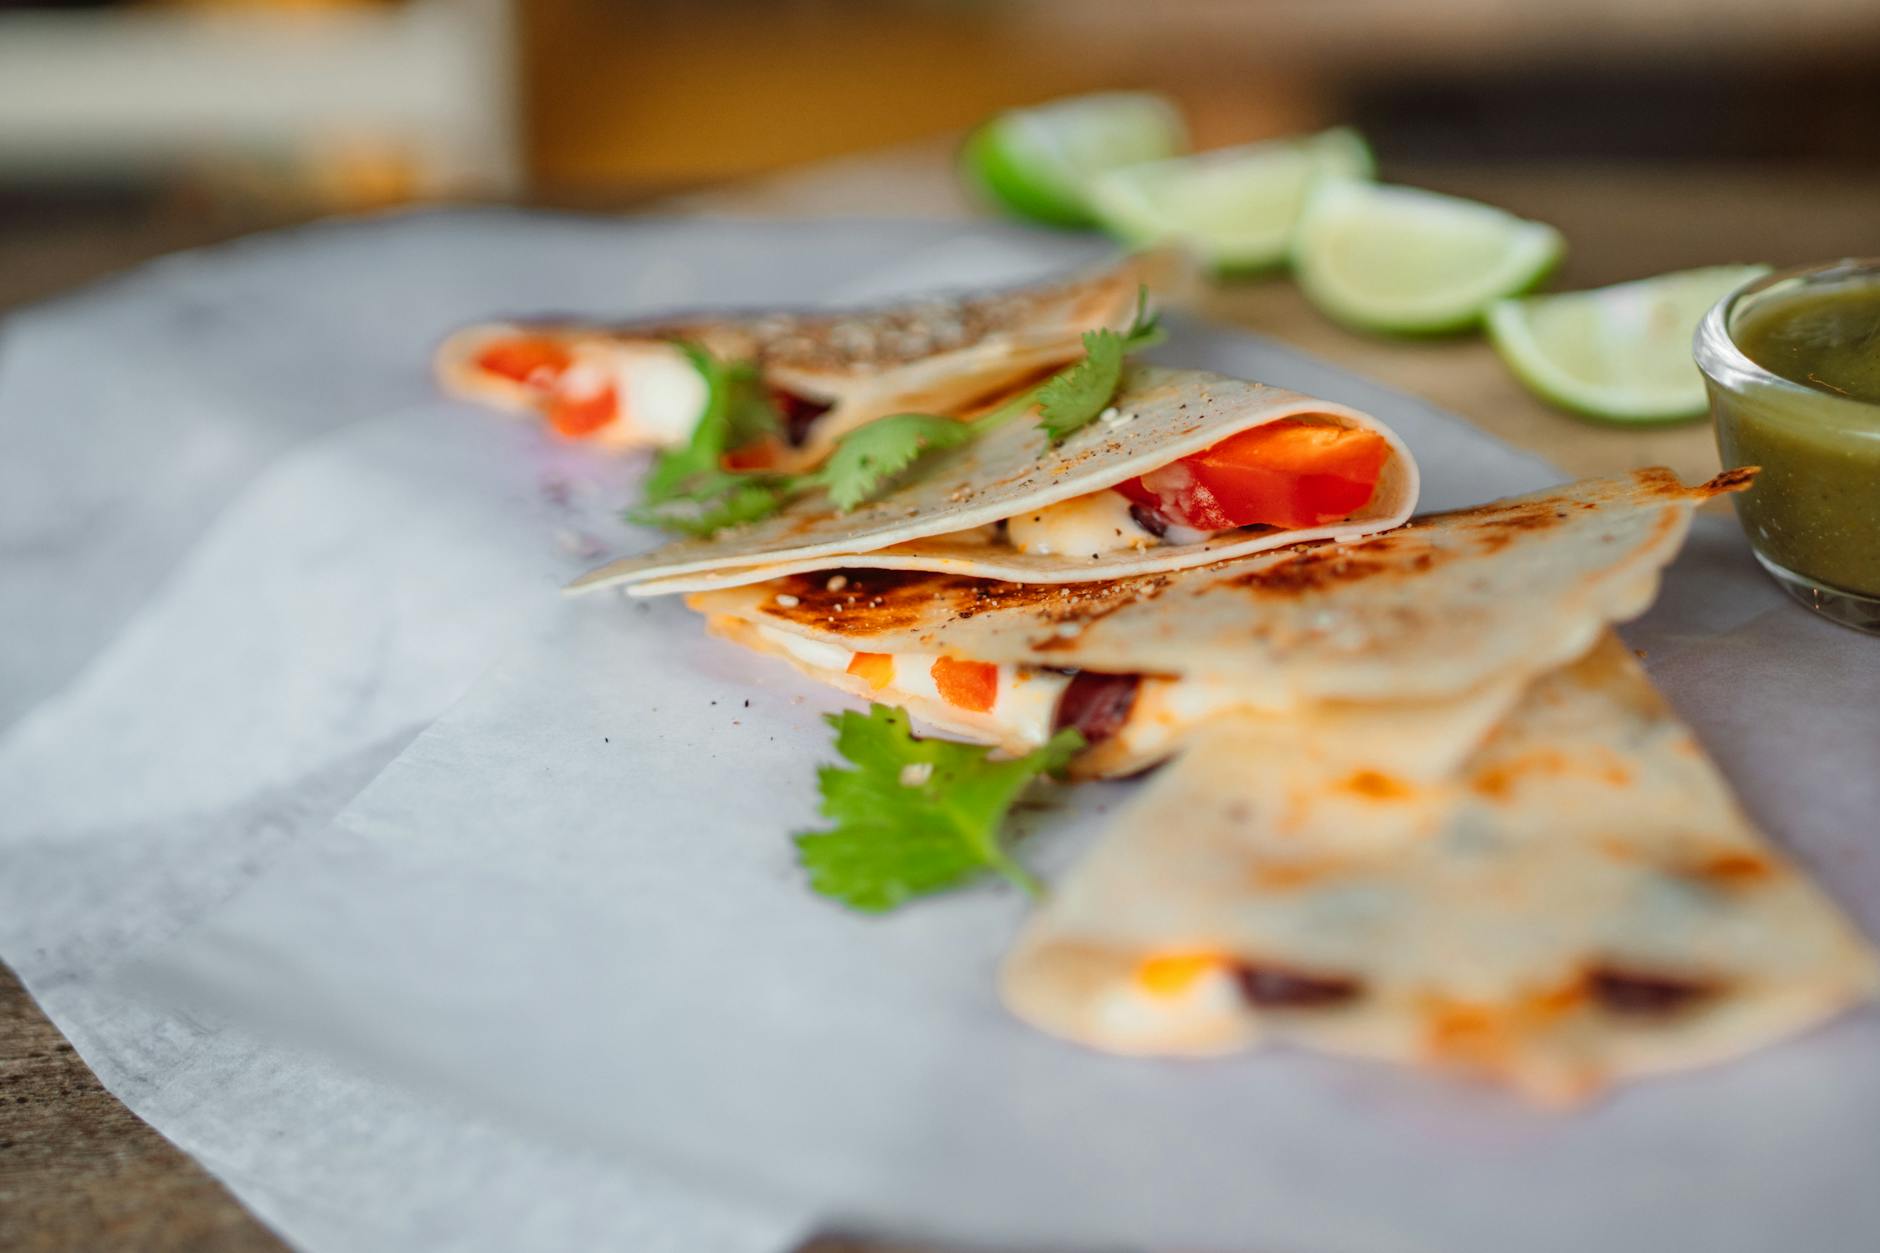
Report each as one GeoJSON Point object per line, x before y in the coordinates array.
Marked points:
{"type": "Point", "coordinates": [1009, 506]}
{"type": "Point", "coordinates": [831, 371]}
{"type": "Point", "coordinates": [1460, 610]}
{"type": "Point", "coordinates": [1582, 902]}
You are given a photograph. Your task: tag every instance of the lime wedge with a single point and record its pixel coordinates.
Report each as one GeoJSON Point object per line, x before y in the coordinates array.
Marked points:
{"type": "Point", "coordinates": [1235, 207]}
{"type": "Point", "coordinates": [1387, 258]}
{"type": "Point", "coordinates": [1038, 162]}
{"type": "Point", "coordinates": [1620, 353]}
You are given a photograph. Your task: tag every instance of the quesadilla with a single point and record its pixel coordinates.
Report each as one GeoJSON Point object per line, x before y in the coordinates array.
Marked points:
{"type": "Point", "coordinates": [1185, 468]}
{"type": "Point", "coordinates": [640, 385]}
{"type": "Point", "coordinates": [1458, 609]}
{"type": "Point", "coordinates": [1580, 902]}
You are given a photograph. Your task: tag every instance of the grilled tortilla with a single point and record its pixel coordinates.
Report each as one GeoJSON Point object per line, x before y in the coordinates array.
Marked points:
{"type": "Point", "coordinates": [1011, 507]}
{"type": "Point", "coordinates": [1581, 902]}
{"type": "Point", "coordinates": [828, 372]}
{"type": "Point", "coordinates": [1456, 611]}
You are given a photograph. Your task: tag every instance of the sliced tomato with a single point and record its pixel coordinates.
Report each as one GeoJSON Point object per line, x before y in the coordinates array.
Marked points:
{"type": "Point", "coordinates": [537, 362]}
{"type": "Point", "coordinates": [579, 415]}
{"type": "Point", "coordinates": [970, 685]}
{"type": "Point", "coordinates": [1290, 473]}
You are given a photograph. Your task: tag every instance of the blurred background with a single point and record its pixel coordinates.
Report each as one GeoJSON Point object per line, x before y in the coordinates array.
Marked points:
{"type": "Point", "coordinates": [135, 126]}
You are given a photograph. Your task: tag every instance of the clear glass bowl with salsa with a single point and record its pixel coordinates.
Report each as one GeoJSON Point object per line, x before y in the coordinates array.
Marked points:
{"type": "Point", "coordinates": [1792, 362]}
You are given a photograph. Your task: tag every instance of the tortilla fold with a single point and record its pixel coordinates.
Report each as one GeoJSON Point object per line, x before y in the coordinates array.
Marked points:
{"type": "Point", "coordinates": [1581, 903]}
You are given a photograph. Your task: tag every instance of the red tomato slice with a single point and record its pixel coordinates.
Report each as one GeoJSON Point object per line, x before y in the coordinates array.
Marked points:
{"type": "Point", "coordinates": [971, 685]}
{"type": "Point", "coordinates": [579, 416]}
{"type": "Point", "coordinates": [537, 362]}
{"type": "Point", "coordinates": [1290, 473]}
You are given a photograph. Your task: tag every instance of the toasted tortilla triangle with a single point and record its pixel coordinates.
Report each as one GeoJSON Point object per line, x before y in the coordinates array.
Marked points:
{"type": "Point", "coordinates": [933, 354]}
{"type": "Point", "coordinates": [937, 522]}
{"type": "Point", "coordinates": [1431, 611]}
{"type": "Point", "coordinates": [1581, 902]}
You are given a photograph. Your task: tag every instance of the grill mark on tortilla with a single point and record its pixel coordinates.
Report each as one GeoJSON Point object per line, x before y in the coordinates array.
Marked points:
{"type": "Point", "coordinates": [1728, 871]}
{"type": "Point", "coordinates": [1736, 480]}
{"type": "Point", "coordinates": [870, 602]}
{"type": "Point", "coordinates": [1317, 566]}
{"type": "Point", "coordinates": [1500, 779]}
{"type": "Point", "coordinates": [1084, 609]}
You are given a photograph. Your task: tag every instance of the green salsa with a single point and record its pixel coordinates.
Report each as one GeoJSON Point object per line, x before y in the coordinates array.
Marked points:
{"type": "Point", "coordinates": [1815, 507]}
{"type": "Point", "coordinates": [1829, 341]}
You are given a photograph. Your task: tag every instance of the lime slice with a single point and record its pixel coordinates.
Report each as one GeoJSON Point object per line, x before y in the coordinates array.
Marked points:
{"type": "Point", "coordinates": [1621, 353]}
{"type": "Point", "coordinates": [1386, 258]}
{"type": "Point", "coordinates": [1235, 207]}
{"type": "Point", "coordinates": [1038, 162]}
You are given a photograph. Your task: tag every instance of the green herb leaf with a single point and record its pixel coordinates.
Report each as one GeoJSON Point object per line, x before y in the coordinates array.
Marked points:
{"type": "Point", "coordinates": [1073, 397]}
{"type": "Point", "coordinates": [717, 499]}
{"type": "Point", "coordinates": [916, 816]}
{"type": "Point", "coordinates": [738, 412]}
{"type": "Point", "coordinates": [868, 459]}
{"type": "Point", "coordinates": [689, 491]}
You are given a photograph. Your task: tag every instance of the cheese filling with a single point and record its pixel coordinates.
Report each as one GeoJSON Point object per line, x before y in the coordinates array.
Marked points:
{"type": "Point", "coordinates": [1091, 525]}
{"type": "Point", "coordinates": [1094, 524]}
{"type": "Point", "coordinates": [1173, 998]}
{"type": "Point", "coordinates": [659, 395]}
{"type": "Point", "coordinates": [1016, 704]}
{"type": "Point", "coordinates": [1021, 706]}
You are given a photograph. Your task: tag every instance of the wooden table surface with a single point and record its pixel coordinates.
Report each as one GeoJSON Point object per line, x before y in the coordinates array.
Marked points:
{"type": "Point", "coordinates": [79, 1171]}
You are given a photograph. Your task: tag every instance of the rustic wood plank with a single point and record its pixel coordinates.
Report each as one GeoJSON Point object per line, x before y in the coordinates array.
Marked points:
{"type": "Point", "coordinates": [80, 1171]}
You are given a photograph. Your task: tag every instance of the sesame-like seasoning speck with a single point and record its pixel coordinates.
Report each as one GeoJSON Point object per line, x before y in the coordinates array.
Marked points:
{"type": "Point", "coordinates": [837, 582]}
{"type": "Point", "coordinates": [787, 601]}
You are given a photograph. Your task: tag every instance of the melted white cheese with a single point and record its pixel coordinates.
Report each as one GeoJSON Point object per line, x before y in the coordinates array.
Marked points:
{"type": "Point", "coordinates": [1028, 700]}
{"type": "Point", "coordinates": [1083, 526]}
{"type": "Point", "coordinates": [810, 652]}
{"type": "Point", "coordinates": [659, 392]}
{"type": "Point", "coordinates": [1023, 708]}
{"type": "Point", "coordinates": [1207, 1011]}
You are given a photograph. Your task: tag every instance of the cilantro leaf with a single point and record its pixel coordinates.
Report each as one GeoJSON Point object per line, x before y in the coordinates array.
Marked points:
{"type": "Point", "coordinates": [916, 816]}
{"type": "Point", "coordinates": [715, 500]}
{"type": "Point", "coordinates": [689, 491]}
{"type": "Point", "coordinates": [1073, 397]}
{"type": "Point", "coordinates": [869, 458]}
{"type": "Point", "coordinates": [738, 412]}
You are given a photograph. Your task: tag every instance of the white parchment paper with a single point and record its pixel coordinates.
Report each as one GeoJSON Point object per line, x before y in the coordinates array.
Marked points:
{"type": "Point", "coordinates": [551, 978]}
{"type": "Point", "coordinates": [245, 555]}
